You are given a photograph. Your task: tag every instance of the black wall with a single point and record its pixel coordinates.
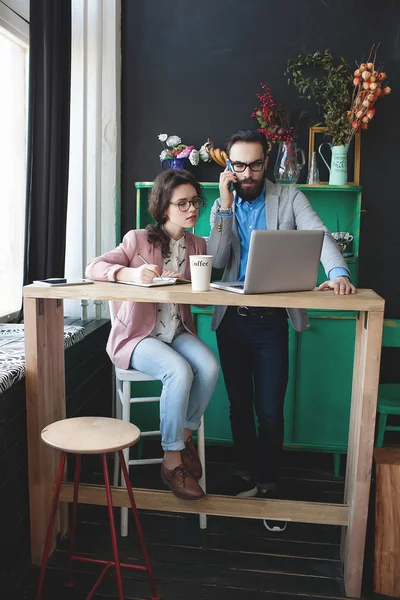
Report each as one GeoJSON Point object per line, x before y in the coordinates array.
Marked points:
{"type": "Point", "coordinates": [194, 68]}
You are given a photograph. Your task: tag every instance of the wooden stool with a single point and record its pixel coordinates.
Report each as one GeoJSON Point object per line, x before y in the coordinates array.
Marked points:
{"type": "Point", "coordinates": [387, 522]}
{"type": "Point", "coordinates": [93, 435]}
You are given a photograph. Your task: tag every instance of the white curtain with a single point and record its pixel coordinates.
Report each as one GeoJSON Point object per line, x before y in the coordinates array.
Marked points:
{"type": "Point", "coordinates": [94, 171]}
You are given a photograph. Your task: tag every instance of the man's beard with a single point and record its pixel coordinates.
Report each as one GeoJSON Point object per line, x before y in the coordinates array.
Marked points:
{"type": "Point", "coordinates": [249, 193]}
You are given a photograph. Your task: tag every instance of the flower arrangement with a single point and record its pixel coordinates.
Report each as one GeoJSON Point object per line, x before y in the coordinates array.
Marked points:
{"type": "Point", "coordinates": [369, 85]}
{"type": "Point", "coordinates": [173, 148]}
{"type": "Point", "coordinates": [327, 82]}
{"type": "Point", "coordinates": [345, 113]}
{"type": "Point", "coordinates": [274, 119]}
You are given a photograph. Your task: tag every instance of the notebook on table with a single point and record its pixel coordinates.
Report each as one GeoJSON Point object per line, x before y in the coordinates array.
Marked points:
{"type": "Point", "coordinates": [157, 281]}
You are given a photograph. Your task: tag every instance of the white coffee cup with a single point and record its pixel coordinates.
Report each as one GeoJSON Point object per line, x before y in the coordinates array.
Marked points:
{"type": "Point", "coordinates": [200, 272]}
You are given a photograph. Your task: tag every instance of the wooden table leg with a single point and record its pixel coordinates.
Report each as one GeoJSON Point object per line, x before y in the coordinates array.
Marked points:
{"type": "Point", "coordinates": [45, 403]}
{"type": "Point", "coordinates": [361, 444]}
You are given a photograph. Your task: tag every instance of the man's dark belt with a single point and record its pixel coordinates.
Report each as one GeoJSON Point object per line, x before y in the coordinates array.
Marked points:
{"type": "Point", "coordinates": [253, 311]}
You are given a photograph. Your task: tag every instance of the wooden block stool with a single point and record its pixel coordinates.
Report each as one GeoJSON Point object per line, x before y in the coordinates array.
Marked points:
{"type": "Point", "coordinates": [387, 522]}
{"type": "Point", "coordinates": [93, 435]}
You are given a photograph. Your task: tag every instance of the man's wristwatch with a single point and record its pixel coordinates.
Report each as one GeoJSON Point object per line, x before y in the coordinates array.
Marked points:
{"type": "Point", "coordinates": [224, 211]}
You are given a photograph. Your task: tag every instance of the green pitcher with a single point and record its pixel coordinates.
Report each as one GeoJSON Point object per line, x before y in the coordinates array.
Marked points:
{"type": "Point", "coordinates": [338, 168]}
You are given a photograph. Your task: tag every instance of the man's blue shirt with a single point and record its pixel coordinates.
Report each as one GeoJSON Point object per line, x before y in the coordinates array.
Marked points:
{"type": "Point", "coordinates": [249, 216]}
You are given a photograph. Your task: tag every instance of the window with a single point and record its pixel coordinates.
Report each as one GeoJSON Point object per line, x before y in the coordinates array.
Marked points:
{"type": "Point", "coordinates": [13, 128]}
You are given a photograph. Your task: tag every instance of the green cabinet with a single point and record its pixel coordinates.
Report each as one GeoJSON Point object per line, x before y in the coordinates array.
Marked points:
{"type": "Point", "coordinates": [319, 416]}
{"type": "Point", "coordinates": [317, 403]}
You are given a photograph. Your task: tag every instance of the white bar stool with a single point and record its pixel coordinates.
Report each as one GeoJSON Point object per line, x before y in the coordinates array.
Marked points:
{"type": "Point", "coordinates": [123, 401]}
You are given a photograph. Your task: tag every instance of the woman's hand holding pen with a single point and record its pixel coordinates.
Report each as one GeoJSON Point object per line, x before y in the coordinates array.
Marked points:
{"type": "Point", "coordinates": [143, 274]}
{"type": "Point", "coordinates": [146, 272]}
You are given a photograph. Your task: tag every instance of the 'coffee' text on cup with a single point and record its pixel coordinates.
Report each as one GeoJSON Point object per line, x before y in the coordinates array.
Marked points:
{"type": "Point", "coordinates": [200, 263]}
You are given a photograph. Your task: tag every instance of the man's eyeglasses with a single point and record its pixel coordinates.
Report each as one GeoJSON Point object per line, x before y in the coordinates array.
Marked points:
{"type": "Point", "coordinates": [256, 165]}
{"type": "Point", "coordinates": [185, 204]}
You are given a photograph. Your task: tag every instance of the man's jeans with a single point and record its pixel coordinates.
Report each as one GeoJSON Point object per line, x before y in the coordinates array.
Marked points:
{"type": "Point", "coordinates": [253, 351]}
{"type": "Point", "coordinates": [188, 371]}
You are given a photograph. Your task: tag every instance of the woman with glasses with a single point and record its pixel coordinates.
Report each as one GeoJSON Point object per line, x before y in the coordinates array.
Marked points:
{"type": "Point", "coordinates": [160, 339]}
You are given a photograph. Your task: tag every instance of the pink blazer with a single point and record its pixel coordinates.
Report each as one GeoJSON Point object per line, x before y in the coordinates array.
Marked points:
{"type": "Point", "coordinates": [134, 321]}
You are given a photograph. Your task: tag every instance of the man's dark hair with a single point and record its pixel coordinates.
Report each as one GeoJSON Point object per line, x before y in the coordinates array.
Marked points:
{"type": "Point", "coordinates": [247, 135]}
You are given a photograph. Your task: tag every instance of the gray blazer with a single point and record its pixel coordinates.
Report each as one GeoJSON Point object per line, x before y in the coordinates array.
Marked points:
{"type": "Point", "coordinates": [286, 208]}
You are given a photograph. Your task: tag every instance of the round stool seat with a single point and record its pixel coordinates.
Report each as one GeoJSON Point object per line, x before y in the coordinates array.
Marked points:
{"type": "Point", "coordinates": [90, 435]}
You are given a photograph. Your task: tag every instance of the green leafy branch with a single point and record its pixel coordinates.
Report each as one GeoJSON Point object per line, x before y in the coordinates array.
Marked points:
{"type": "Point", "coordinates": [330, 89]}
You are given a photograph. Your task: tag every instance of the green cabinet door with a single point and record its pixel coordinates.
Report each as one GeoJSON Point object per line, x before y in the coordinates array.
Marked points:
{"type": "Point", "coordinates": [324, 372]}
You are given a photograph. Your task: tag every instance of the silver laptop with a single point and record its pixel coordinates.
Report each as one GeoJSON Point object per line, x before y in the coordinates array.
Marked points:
{"type": "Point", "coordinates": [279, 261]}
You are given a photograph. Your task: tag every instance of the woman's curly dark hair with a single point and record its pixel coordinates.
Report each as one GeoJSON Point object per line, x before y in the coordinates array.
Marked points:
{"type": "Point", "coordinates": [164, 185]}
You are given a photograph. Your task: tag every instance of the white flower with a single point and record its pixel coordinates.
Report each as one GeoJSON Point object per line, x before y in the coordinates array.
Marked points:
{"type": "Point", "coordinates": [162, 137]}
{"type": "Point", "coordinates": [173, 140]}
{"type": "Point", "coordinates": [204, 153]}
{"type": "Point", "coordinates": [163, 155]}
{"type": "Point", "coordinates": [194, 157]}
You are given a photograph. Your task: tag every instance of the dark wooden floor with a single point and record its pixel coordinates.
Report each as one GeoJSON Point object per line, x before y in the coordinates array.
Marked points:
{"type": "Point", "coordinates": [234, 559]}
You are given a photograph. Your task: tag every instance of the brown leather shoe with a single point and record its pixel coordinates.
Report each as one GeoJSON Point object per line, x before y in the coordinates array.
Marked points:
{"type": "Point", "coordinates": [191, 460]}
{"type": "Point", "coordinates": [181, 483]}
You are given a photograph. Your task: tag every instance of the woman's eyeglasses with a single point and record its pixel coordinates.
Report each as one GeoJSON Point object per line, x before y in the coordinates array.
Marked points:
{"type": "Point", "coordinates": [185, 204]}
{"type": "Point", "coordinates": [256, 165]}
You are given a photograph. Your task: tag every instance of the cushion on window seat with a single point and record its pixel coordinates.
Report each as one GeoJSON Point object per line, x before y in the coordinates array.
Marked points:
{"type": "Point", "coordinates": [12, 351]}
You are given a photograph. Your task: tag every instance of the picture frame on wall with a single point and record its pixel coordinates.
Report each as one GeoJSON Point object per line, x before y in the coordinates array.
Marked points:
{"type": "Point", "coordinates": [317, 137]}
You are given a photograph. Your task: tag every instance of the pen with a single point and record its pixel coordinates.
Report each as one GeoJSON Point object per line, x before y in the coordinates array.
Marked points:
{"type": "Point", "coordinates": [146, 263]}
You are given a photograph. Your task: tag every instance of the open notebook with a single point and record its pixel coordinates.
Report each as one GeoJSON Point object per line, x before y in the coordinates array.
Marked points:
{"type": "Point", "coordinates": [157, 281]}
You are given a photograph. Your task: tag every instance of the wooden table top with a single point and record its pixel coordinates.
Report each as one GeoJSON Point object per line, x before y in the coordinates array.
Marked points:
{"type": "Point", "coordinates": [363, 300]}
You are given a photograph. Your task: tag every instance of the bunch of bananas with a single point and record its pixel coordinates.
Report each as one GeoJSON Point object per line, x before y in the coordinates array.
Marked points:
{"type": "Point", "coordinates": [216, 154]}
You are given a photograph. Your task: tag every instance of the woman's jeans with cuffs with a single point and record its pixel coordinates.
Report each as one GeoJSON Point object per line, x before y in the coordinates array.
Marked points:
{"type": "Point", "coordinates": [188, 371]}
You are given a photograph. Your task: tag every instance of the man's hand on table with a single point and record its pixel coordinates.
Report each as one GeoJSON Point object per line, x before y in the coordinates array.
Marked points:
{"type": "Point", "coordinates": [340, 285]}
